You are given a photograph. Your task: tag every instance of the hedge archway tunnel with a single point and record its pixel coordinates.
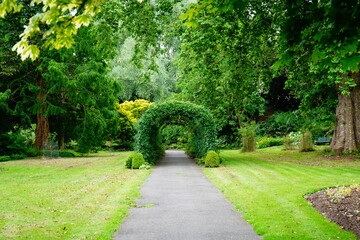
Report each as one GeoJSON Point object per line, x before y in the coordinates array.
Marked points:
{"type": "Point", "coordinates": [197, 118]}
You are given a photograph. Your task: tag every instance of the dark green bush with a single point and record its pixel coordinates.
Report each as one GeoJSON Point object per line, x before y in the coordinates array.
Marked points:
{"type": "Point", "coordinates": [212, 159]}
{"type": "Point", "coordinates": [32, 152]}
{"type": "Point", "coordinates": [18, 156]}
{"type": "Point", "coordinates": [4, 158]}
{"type": "Point", "coordinates": [66, 153]}
{"type": "Point", "coordinates": [281, 124]}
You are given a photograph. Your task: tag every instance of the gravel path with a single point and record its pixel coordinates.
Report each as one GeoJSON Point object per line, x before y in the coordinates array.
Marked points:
{"type": "Point", "coordinates": [179, 203]}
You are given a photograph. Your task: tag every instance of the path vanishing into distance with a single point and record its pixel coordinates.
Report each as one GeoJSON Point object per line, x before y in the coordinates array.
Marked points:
{"type": "Point", "coordinates": [178, 203]}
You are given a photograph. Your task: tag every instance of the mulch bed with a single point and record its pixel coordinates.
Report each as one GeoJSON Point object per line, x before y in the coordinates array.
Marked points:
{"type": "Point", "coordinates": [345, 211]}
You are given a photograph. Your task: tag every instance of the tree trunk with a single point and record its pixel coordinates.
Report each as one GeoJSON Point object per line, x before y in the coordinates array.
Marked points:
{"type": "Point", "coordinates": [347, 129]}
{"type": "Point", "coordinates": [61, 137]}
{"type": "Point", "coordinates": [42, 122]}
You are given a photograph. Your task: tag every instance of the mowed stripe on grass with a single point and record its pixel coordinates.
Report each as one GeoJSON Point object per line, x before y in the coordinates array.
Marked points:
{"type": "Point", "coordinates": [268, 188]}
{"type": "Point", "coordinates": [71, 198]}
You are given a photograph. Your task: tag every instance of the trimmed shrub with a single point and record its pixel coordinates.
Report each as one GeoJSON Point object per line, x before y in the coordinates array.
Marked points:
{"type": "Point", "coordinates": [212, 159]}
{"type": "Point", "coordinates": [306, 142]}
{"type": "Point", "coordinates": [135, 161]}
{"type": "Point", "coordinates": [197, 120]}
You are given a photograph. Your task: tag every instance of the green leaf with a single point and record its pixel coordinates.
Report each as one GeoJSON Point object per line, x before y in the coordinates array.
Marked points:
{"type": "Point", "coordinates": [351, 63]}
{"type": "Point", "coordinates": [317, 55]}
{"type": "Point", "coordinates": [191, 24]}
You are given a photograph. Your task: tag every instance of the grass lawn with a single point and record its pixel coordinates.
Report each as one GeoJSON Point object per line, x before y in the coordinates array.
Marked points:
{"type": "Point", "coordinates": [68, 198]}
{"type": "Point", "coordinates": [267, 187]}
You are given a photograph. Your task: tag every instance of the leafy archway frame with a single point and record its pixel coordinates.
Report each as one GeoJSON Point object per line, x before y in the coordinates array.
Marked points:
{"type": "Point", "coordinates": [198, 118]}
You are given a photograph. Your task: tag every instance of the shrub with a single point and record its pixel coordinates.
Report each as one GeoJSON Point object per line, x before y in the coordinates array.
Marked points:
{"type": "Point", "coordinates": [145, 166]}
{"type": "Point", "coordinates": [4, 158]}
{"type": "Point", "coordinates": [306, 142]}
{"type": "Point", "coordinates": [17, 156]}
{"type": "Point", "coordinates": [247, 134]}
{"type": "Point", "coordinates": [281, 123]}
{"type": "Point", "coordinates": [265, 142]}
{"type": "Point", "coordinates": [135, 161]}
{"type": "Point", "coordinates": [288, 144]}
{"type": "Point", "coordinates": [128, 162]}
{"type": "Point", "coordinates": [65, 154]}
{"type": "Point", "coordinates": [212, 159]}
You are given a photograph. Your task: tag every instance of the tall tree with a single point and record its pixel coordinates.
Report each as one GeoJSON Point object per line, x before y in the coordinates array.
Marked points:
{"type": "Point", "coordinates": [319, 47]}
{"type": "Point", "coordinates": [224, 63]}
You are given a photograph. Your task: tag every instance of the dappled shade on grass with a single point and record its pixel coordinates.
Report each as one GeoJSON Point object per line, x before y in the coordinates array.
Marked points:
{"type": "Point", "coordinates": [268, 188]}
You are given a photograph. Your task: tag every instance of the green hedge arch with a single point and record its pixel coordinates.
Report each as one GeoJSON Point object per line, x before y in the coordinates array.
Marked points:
{"type": "Point", "coordinates": [197, 118]}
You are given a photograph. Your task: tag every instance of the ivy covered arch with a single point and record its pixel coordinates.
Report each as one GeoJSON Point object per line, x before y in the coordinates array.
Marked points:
{"type": "Point", "coordinates": [197, 118]}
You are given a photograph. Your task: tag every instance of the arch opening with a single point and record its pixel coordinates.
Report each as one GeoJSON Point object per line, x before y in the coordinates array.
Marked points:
{"type": "Point", "coordinates": [197, 119]}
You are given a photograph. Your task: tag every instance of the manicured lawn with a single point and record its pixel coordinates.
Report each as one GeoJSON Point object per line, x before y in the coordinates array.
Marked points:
{"type": "Point", "coordinates": [267, 187]}
{"type": "Point", "coordinates": [69, 198]}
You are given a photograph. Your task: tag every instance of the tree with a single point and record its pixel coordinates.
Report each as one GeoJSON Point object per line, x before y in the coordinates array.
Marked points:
{"type": "Point", "coordinates": [319, 40]}
{"type": "Point", "coordinates": [68, 90]}
{"type": "Point", "coordinates": [224, 64]}
{"type": "Point", "coordinates": [129, 113]}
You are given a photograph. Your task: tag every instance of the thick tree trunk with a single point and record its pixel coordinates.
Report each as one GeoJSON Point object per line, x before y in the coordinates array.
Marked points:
{"type": "Point", "coordinates": [42, 122]}
{"type": "Point", "coordinates": [347, 129]}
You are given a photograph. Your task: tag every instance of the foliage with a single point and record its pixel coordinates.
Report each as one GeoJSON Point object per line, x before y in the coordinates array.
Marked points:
{"type": "Point", "coordinates": [339, 193]}
{"type": "Point", "coordinates": [135, 161]}
{"type": "Point", "coordinates": [133, 109]}
{"type": "Point", "coordinates": [212, 159]}
{"type": "Point", "coordinates": [145, 166]}
{"type": "Point", "coordinates": [288, 143]}
{"type": "Point", "coordinates": [221, 68]}
{"type": "Point", "coordinates": [198, 120]}
{"type": "Point", "coordinates": [258, 183]}
{"type": "Point", "coordinates": [281, 124]}
{"type": "Point", "coordinates": [265, 142]}
{"type": "Point", "coordinates": [247, 134]}
{"type": "Point", "coordinates": [174, 134]}
{"type": "Point", "coordinates": [154, 78]}
{"type": "Point", "coordinates": [17, 142]}
{"type": "Point", "coordinates": [129, 113]}
{"type": "Point", "coordinates": [85, 192]}
{"type": "Point", "coordinates": [59, 22]}
{"type": "Point", "coordinates": [306, 142]}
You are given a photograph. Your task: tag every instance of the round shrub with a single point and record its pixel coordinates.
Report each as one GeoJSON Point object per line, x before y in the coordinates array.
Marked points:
{"type": "Point", "coordinates": [137, 160]}
{"type": "Point", "coordinates": [212, 159]}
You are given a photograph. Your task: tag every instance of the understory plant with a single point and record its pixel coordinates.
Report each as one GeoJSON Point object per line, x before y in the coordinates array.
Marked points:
{"type": "Point", "coordinates": [306, 142]}
{"type": "Point", "coordinates": [265, 142]}
{"type": "Point", "coordinates": [212, 159]}
{"type": "Point", "coordinates": [247, 134]}
{"type": "Point", "coordinates": [135, 161]}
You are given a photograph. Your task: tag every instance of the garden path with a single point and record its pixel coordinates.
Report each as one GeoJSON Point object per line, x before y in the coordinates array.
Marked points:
{"type": "Point", "coordinates": [179, 203]}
